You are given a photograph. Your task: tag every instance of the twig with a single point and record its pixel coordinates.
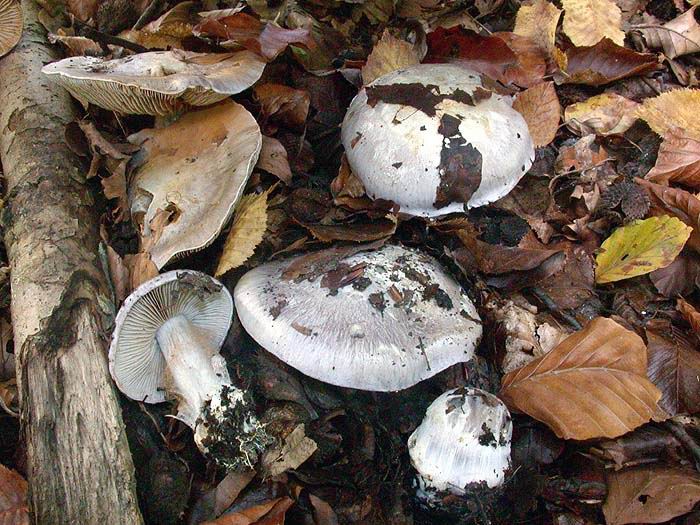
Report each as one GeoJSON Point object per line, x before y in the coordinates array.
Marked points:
{"type": "Point", "coordinates": [150, 12]}
{"type": "Point", "coordinates": [681, 434]}
{"type": "Point", "coordinates": [553, 307]}
{"type": "Point", "coordinates": [103, 38]}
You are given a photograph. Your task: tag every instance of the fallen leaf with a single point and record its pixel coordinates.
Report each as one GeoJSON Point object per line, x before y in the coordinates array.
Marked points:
{"type": "Point", "coordinates": [357, 232]}
{"type": "Point", "coordinates": [587, 22]}
{"type": "Point", "coordinates": [13, 498]}
{"type": "Point", "coordinates": [574, 284]}
{"type": "Point", "coordinates": [267, 513]}
{"type": "Point", "coordinates": [692, 316]}
{"type": "Point", "coordinates": [604, 114]}
{"type": "Point", "coordinates": [297, 448]}
{"type": "Point", "coordinates": [389, 54]}
{"type": "Point", "coordinates": [593, 384]}
{"type": "Point", "coordinates": [678, 160]}
{"type": "Point", "coordinates": [640, 248]}
{"type": "Point", "coordinates": [273, 159]}
{"type": "Point", "coordinates": [603, 63]}
{"type": "Point", "coordinates": [674, 367]}
{"type": "Point", "coordinates": [650, 494]}
{"type": "Point", "coordinates": [648, 442]}
{"type": "Point", "coordinates": [323, 513]}
{"type": "Point", "coordinates": [247, 231]}
{"type": "Point", "coordinates": [83, 10]}
{"type": "Point", "coordinates": [326, 42]}
{"type": "Point", "coordinates": [229, 488]}
{"type": "Point", "coordinates": [119, 275]}
{"type": "Point", "coordinates": [141, 269]}
{"type": "Point", "coordinates": [680, 277]}
{"type": "Point", "coordinates": [288, 105]}
{"type": "Point", "coordinates": [673, 109]}
{"type": "Point", "coordinates": [538, 21]}
{"type": "Point", "coordinates": [680, 36]}
{"type": "Point", "coordinates": [539, 106]}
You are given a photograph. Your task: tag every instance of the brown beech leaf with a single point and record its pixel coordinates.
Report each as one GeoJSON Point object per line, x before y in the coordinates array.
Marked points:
{"type": "Point", "coordinates": [288, 105]}
{"type": "Point", "coordinates": [141, 269]}
{"type": "Point", "coordinates": [323, 512]}
{"type": "Point", "coordinates": [677, 202]}
{"type": "Point", "coordinates": [587, 22]}
{"type": "Point", "coordinates": [680, 36]}
{"type": "Point", "coordinates": [678, 160]}
{"type": "Point", "coordinates": [538, 21]}
{"type": "Point", "coordinates": [650, 494]}
{"type": "Point", "coordinates": [691, 315]}
{"type": "Point", "coordinates": [673, 109]}
{"type": "Point", "coordinates": [389, 54]}
{"type": "Point", "coordinates": [674, 367]}
{"type": "Point", "coordinates": [648, 442]}
{"type": "Point", "coordinates": [267, 513]}
{"type": "Point", "coordinates": [604, 114]}
{"type": "Point", "coordinates": [13, 498]}
{"type": "Point", "coordinates": [358, 232]}
{"type": "Point", "coordinates": [539, 106]}
{"type": "Point", "coordinates": [593, 384]}
{"type": "Point", "coordinates": [273, 159]}
{"type": "Point", "coordinates": [680, 277]}
{"type": "Point", "coordinates": [605, 62]}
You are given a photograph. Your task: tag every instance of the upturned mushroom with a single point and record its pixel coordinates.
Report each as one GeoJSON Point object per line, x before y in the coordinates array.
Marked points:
{"type": "Point", "coordinates": [435, 139]}
{"type": "Point", "coordinates": [166, 346]}
{"type": "Point", "coordinates": [10, 25]}
{"type": "Point", "coordinates": [378, 320]}
{"type": "Point", "coordinates": [462, 447]}
{"type": "Point", "coordinates": [157, 82]}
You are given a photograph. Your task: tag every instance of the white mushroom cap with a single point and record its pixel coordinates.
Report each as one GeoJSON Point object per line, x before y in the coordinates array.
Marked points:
{"type": "Point", "coordinates": [157, 82]}
{"type": "Point", "coordinates": [433, 139]}
{"type": "Point", "coordinates": [464, 439]}
{"type": "Point", "coordinates": [135, 359]}
{"type": "Point", "coordinates": [10, 25]}
{"type": "Point", "coordinates": [381, 320]}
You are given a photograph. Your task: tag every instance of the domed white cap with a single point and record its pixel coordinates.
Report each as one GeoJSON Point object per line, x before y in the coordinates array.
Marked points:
{"type": "Point", "coordinates": [381, 320]}
{"type": "Point", "coordinates": [434, 139]}
{"type": "Point", "coordinates": [463, 439]}
{"type": "Point", "coordinates": [135, 359]}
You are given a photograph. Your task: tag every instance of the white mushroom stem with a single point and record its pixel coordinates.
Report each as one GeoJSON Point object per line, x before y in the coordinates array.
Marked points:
{"type": "Point", "coordinates": [196, 371]}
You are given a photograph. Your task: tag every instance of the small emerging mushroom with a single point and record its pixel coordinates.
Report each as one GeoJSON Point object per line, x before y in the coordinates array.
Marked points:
{"type": "Point", "coordinates": [434, 139]}
{"type": "Point", "coordinates": [10, 25]}
{"type": "Point", "coordinates": [462, 447]}
{"type": "Point", "coordinates": [378, 320]}
{"type": "Point", "coordinates": [166, 346]}
{"type": "Point", "coordinates": [157, 82]}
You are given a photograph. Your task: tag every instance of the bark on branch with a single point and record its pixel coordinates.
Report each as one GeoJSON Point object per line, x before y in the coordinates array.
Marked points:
{"type": "Point", "coordinates": [79, 467]}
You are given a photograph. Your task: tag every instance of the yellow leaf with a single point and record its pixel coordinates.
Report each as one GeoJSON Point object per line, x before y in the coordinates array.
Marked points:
{"type": "Point", "coordinates": [603, 114]}
{"type": "Point", "coordinates": [674, 109]}
{"type": "Point", "coordinates": [640, 248]}
{"type": "Point", "coordinates": [389, 54]}
{"type": "Point", "coordinates": [587, 22]}
{"type": "Point", "coordinates": [539, 106]}
{"type": "Point", "coordinates": [538, 21]}
{"type": "Point", "coordinates": [247, 232]}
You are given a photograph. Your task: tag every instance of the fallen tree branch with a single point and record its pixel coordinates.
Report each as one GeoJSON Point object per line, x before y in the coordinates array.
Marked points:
{"type": "Point", "coordinates": [78, 462]}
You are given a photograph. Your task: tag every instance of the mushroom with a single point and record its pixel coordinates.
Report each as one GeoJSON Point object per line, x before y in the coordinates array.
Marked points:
{"type": "Point", "coordinates": [10, 25]}
{"type": "Point", "coordinates": [194, 171]}
{"type": "Point", "coordinates": [166, 345]}
{"type": "Point", "coordinates": [434, 139]}
{"type": "Point", "coordinates": [157, 82]}
{"type": "Point", "coordinates": [378, 320]}
{"type": "Point", "coordinates": [462, 447]}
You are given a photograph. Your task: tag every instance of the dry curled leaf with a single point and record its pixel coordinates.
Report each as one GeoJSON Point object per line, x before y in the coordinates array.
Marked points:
{"type": "Point", "coordinates": [650, 494]}
{"type": "Point", "coordinates": [587, 22]}
{"type": "Point", "coordinates": [288, 105]}
{"type": "Point", "coordinates": [673, 109]}
{"type": "Point", "coordinates": [13, 498]}
{"type": "Point", "coordinates": [640, 248]}
{"type": "Point", "coordinates": [389, 54]}
{"type": "Point", "coordinates": [538, 21]}
{"type": "Point", "coordinates": [678, 160]}
{"type": "Point", "coordinates": [539, 106]}
{"type": "Point", "coordinates": [593, 384]}
{"type": "Point", "coordinates": [273, 159]}
{"type": "Point", "coordinates": [297, 448]}
{"type": "Point", "coordinates": [249, 225]}
{"type": "Point", "coordinates": [691, 315]}
{"type": "Point", "coordinates": [604, 114]}
{"type": "Point", "coordinates": [680, 36]}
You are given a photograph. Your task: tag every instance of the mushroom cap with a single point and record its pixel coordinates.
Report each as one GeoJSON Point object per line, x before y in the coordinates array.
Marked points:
{"type": "Point", "coordinates": [10, 25]}
{"type": "Point", "coordinates": [464, 438]}
{"type": "Point", "coordinates": [198, 167]}
{"type": "Point", "coordinates": [157, 82]}
{"type": "Point", "coordinates": [136, 362]}
{"type": "Point", "coordinates": [380, 320]}
{"type": "Point", "coordinates": [433, 139]}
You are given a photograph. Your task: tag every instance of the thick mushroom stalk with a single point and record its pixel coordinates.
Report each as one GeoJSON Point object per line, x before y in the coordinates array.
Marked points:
{"type": "Point", "coordinates": [166, 346]}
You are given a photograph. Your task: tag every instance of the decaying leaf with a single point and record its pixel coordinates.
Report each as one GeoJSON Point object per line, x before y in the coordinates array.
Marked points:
{"type": "Point", "coordinates": [141, 269]}
{"type": "Point", "coordinates": [640, 248]}
{"type": "Point", "coordinates": [587, 22]}
{"type": "Point", "coordinates": [357, 232]}
{"type": "Point", "coordinates": [273, 159]}
{"type": "Point", "coordinates": [296, 449]}
{"type": "Point", "coordinates": [680, 36]}
{"type": "Point", "coordinates": [650, 494]}
{"type": "Point", "coordinates": [10, 25]}
{"type": "Point", "coordinates": [680, 277]}
{"type": "Point", "coordinates": [13, 498]}
{"type": "Point", "coordinates": [538, 21]}
{"type": "Point", "coordinates": [539, 106]}
{"type": "Point", "coordinates": [673, 109]}
{"type": "Point", "coordinates": [593, 384]}
{"type": "Point", "coordinates": [389, 54]}
{"type": "Point", "coordinates": [288, 105]}
{"type": "Point", "coordinates": [678, 160]}
{"type": "Point", "coordinates": [603, 114]}
{"type": "Point", "coordinates": [247, 232]}
{"type": "Point", "coordinates": [693, 317]}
